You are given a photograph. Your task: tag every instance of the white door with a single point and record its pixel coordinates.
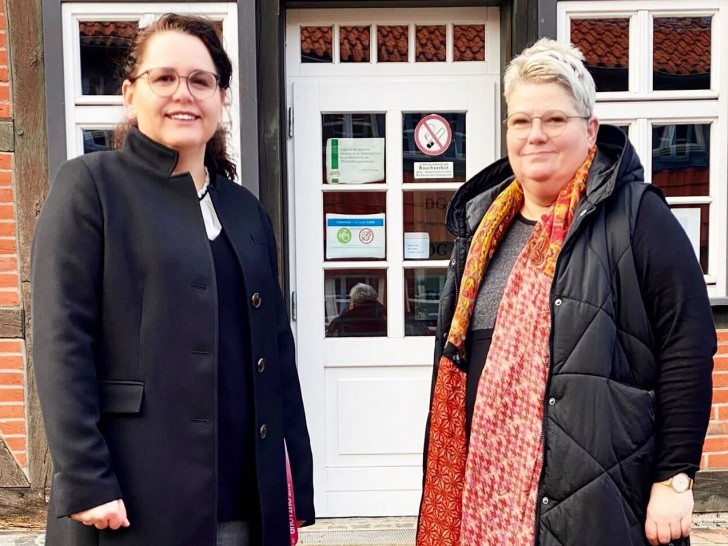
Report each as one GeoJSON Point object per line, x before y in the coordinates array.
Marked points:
{"type": "Point", "coordinates": [375, 162]}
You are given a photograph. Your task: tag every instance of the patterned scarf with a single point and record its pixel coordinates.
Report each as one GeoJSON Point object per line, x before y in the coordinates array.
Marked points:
{"type": "Point", "coordinates": [466, 501]}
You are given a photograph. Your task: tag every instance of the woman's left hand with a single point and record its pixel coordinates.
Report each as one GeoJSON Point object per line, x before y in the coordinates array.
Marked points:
{"type": "Point", "coordinates": [669, 515]}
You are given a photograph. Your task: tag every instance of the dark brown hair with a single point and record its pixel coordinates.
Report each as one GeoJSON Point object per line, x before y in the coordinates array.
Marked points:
{"type": "Point", "coordinates": [205, 30]}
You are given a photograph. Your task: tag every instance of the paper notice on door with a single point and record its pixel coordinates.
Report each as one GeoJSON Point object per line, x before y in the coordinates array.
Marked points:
{"type": "Point", "coordinates": [689, 219]}
{"type": "Point", "coordinates": [354, 160]}
{"type": "Point", "coordinates": [355, 236]}
{"type": "Point", "coordinates": [438, 169]}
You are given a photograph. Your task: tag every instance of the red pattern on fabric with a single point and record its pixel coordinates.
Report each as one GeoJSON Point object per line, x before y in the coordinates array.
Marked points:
{"type": "Point", "coordinates": [441, 511]}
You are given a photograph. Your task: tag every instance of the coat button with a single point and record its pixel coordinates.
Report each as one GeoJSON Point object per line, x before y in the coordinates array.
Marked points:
{"type": "Point", "coordinates": [557, 302]}
{"type": "Point", "coordinates": [545, 500]}
{"type": "Point", "coordinates": [552, 401]}
{"type": "Point", "coordinates": [263, 432]}
{"type": "Point", "coordinates": [256, 300]}
{"type": "Point", "coordinates": [261, 364]}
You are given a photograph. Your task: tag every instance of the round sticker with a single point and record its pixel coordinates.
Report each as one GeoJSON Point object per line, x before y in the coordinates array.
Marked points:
{"type": "Point", "coordinates": [433, 135]}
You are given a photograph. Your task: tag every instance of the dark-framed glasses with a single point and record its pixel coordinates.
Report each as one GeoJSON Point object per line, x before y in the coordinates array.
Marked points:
{"type": "Point", "coordinates": [165, 81]}
{"type": "Point", "coordinates": [553, 123]}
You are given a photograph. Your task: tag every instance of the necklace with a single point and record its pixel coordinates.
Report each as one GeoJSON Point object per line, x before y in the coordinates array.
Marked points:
{"type": "Point", "coordinates": [206, 187]}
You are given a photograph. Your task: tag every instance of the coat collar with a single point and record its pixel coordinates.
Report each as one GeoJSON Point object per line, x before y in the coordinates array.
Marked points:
{"type": "Point", "coordinates": [159, 157]}
{"type": "Point", "coordinates": [615, 163]}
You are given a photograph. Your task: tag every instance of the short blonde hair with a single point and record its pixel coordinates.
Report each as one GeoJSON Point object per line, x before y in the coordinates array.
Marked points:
{"type": "Point", "coordinates": [549, 61]}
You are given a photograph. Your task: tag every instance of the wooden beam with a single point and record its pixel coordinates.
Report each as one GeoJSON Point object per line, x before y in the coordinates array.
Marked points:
{"type": "Point", "coordinates": [12, 322]}
{"type": "Point", "coordinates": [23, 506]}
{"type": "Point", "coordinates": [711, 491]}
{"type": "Point", "coordinates": [27, 76]}
{"type": "Point", "coordinates": [11, 475]}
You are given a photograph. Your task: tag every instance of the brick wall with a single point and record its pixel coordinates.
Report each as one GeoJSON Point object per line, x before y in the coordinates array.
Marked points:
{"type": "Point", "coordinates": [12, 351]}
{"type": "Point", "coordinates": [715, 449]}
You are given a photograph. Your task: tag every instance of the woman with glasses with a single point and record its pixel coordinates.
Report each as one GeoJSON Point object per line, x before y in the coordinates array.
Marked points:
{"type": "Point", "coordinates": [572, 380]}
{"type": "Point", "coordinates": [162, 349]}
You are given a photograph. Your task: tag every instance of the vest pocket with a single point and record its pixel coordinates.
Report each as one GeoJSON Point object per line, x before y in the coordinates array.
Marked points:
{"type": "Point", "coordinates": [117, 396]}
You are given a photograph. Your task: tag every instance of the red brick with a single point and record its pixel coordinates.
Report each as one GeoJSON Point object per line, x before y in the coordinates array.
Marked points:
{"type": "Point", "coordinates": [3, 40]}
{"type": "Point", "coordinates": [2, 22]}
{"type": "Point", "coordinates": [8, 245]}
{"type": "Point", "coordinates": [722, 335]}
{"type": "Point", "coordinates": [712, 443]}
{"type": "Point", "coordinates": [717, 460]}
{"type": "Point", "coordinates": [8, 280]}
{"type": "Point", "coordinates": [5, 111]}
{"type": "Point", "coordinates": [722, 412]}
{"type": "Point", "coordinates": [720, 395]}
{"type": "Point", "coordinates": [7, 212]}
{"type": "Point", "coordinates": [16, 394]}
{"type": "Point", "coordinates": [12, 411]}
{"type": "Point", "coordinates": [15, 444]}
{"type": "Point", "coordinates": [6, 195]}
{"type": "Point", "coordinates": [22, 459]}
{"type": "Point", "coordinates": [13, 346]}
{"type": "Point", "coordinates": [12, 427]}
{"type": "Point", "coordinates": [722, 348]}
{"type": "Point", "coordinates": [6, 160]}
{"type": "Point", "coordinates": [4, 92]}
{"type": "Point", "coordinates": [720, 363]}
{"type": "Point", "coordinates": [9, 299]}
{"type": "Point", "coordinates": [720, 379]}
{"type": "Point", "coordinates": [17, 379]}
{"type": "Point", "coordinates": [703, 461]}
{"type": "Point", "coordinates": [8, 263]}
{"type": "Point", "coordinates": [11, 362]}
{"type": "Point", "coordinates": [7, 229]}
{"type": "Point", "coordinates": [6, 177]}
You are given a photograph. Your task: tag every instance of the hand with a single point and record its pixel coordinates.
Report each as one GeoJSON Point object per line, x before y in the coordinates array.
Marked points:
{"type": "Point", "coordinates": [300, 522]}
{"type": "Point", "coordinates": [669, 515]}
{"type": "Point", "coordinates": [112, 515]}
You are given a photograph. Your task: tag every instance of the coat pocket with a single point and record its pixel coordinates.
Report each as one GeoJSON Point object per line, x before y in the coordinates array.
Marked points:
{"type": "Point", "coordinates": [120, 396]}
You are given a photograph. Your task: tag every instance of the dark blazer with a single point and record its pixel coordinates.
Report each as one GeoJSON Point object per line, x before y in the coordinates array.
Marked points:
{"type": "Point", "coordinates": [125, 351]}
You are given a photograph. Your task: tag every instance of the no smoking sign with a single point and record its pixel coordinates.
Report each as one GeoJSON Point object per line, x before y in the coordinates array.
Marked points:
{"type": "Point", "coordinates": [433, 135]}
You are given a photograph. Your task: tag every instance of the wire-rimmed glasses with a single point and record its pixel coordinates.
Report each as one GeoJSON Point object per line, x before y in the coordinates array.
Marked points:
{"type": "Point", "coordinates": [553, 123]}
{"type": "Point", "coordinates": [165, 81]}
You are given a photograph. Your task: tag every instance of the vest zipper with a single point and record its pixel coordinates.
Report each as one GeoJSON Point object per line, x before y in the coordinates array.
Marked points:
{"type": "Point", "coordinates": [539, 499]}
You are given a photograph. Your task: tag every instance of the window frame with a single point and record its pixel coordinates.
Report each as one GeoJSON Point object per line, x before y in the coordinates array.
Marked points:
{"type": "Point", "coordinates": [641, 107]}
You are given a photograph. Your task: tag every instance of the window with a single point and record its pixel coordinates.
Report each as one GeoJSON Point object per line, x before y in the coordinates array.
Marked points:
{"type": "Point", "coordinates": [655, 66]}
{"type": "Point", "coordinates": [96, 37]}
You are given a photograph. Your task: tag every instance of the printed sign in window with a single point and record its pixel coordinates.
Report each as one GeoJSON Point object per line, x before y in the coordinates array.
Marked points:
{"type": "Point", "coordinates": [354, 160]}
{"type": "Point", "coordinates": [355, 236]}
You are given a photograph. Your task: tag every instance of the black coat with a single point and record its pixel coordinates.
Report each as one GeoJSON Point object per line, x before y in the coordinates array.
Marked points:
{"type": "Point", "coordinates": [125, 351]}
{"type": "Point", "coordinates": [600, 409]}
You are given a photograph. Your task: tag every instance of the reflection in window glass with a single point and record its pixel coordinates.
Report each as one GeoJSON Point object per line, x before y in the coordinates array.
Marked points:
{"type": "Point", "coordinates": [392, 44]}
{"type": "Point", "coordinates": [605, 44]}
{"type": "Point", "coordinates": [423, 132]}
{"type": "Point", "coordinates": [104, 45]}
{"type": "Point", "coordinates": [354, 303]}
{"type": "Point", "coordinates": [468, 43]}
{"type": "Point", "coordinates": [353, 148]}
{"type": "Point", "coordinates": [97, 140]}
{"type": "Point", "coordinates": [681, 159]}
{"type": "Point", "coordinates": [354, 44]}
{"type": "Point", "coordinates": [431, 44]}
{"type": "Point", "coordinates": [681, 53]}
{"type": "Point", "coordinates": [354, 225]}
{"type": "Point", "coordinates": [422, 288]}
{"type": "Point", "coordinates": [316, 44]}
{"type": "Point", "coordinates": [696, 220]}
{"type": "Point", "coordinates": [425, 234]}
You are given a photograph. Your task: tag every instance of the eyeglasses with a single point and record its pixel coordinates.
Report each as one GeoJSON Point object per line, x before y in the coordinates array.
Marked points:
{"type": "Point", "coordinates": [553, 123]}
{"type": "Point", "coordinates": [165, 81]}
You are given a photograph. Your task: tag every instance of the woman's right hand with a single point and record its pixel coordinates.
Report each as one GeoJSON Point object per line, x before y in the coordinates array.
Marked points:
{"type": "Point", "coordinates": [112, 515]}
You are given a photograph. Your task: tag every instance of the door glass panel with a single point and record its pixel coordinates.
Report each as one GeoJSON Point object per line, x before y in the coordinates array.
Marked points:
{"type": "Point", "coordinates": [468, 43]}
{"type": "Point", "coordinates": [681, 159]}
{"type": "Point", "coordinates": [104, 44]}
{"type": "Point", "coordinates": [353, 302]}
{"type": "Point", "coordinates": [353, 148]}
{"type": "Point", "coordinates": [431, 44]}
{"type": "Point", "coordinates": [354, 44]}
{"type": "Point", "coordinates": [605, 45]}
{"type": "Point", "coordinates": [433, 147]}
{"type": "Point", "coordinates": [422, 289]}
{"type": "Point", "coordinates": [316, 45]}
{"type": "Point", "coordinates": [681, 53]}
{"type": "Point", "coordinates": [97, 140]}
{"type": "Point", "coordinates": [392, 44]}
{"type": "Point", "coordinates": [425, 234]}
{"type": "Point", "coordinates": [695, 219]}
{"type": "Point", "coordinates": [354, 225]}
